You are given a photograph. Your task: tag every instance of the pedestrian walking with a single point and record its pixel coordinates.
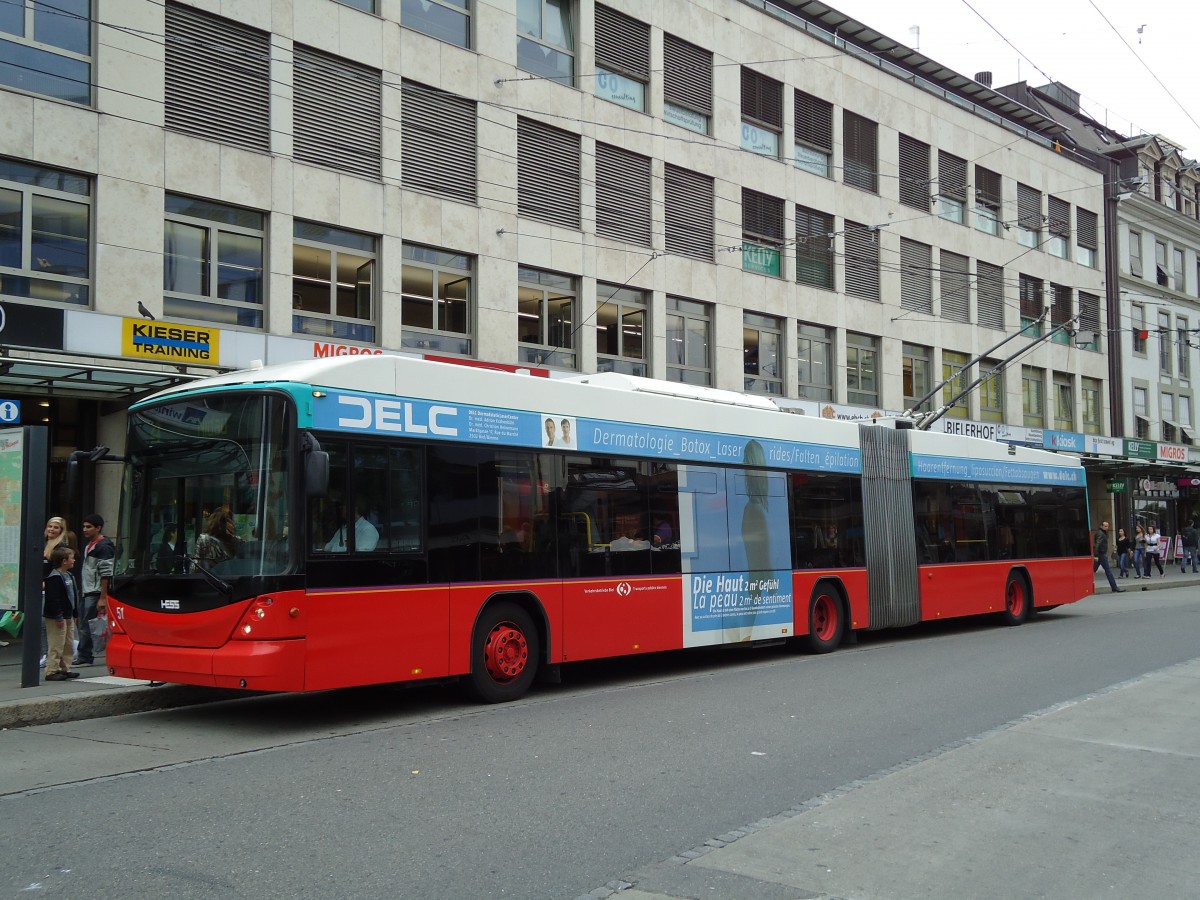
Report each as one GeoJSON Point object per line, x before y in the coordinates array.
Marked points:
{"type": "Point", "coordinates": [1139, 551]}
{"type": "Point", "coordinates": [1191, 544]}
{"type": "Point", "coordinates": [1124, 545]}
{"type": "Point", "coordinates": [1100, 548]}
{"type": "Point", "coordinates": [1153, 550]}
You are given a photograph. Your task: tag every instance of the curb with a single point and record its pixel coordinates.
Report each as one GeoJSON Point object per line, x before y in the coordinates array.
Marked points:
{"type": "Point", "coordinates": [114, 702]}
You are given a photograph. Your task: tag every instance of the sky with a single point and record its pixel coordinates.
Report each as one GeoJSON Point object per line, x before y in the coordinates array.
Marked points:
{"type": "Point", "coordinates": [1134, 82]}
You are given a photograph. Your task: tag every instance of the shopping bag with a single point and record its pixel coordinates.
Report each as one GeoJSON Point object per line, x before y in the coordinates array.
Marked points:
{"type": "Point", "coordinates": [12, 621]}
{"type": "Point", "coordinates": [100, 632]}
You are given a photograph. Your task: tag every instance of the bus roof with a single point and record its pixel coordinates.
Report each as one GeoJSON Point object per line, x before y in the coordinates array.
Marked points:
{"type": "Point", "coordinates": [611, 397]}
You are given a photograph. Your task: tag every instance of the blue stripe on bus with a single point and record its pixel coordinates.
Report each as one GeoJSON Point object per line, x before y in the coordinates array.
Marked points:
{"type": "Point", "coordinates": [1000, 471]}
{"type": "Point", "coordinates": [350, 411]}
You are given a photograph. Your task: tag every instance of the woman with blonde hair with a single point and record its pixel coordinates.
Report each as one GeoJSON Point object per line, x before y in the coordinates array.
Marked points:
{"type": "Point", "coordinates": [56, 533]}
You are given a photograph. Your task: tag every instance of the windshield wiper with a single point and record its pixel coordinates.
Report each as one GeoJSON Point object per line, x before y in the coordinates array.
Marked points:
{"type": "Point", "coordinates": [221, 585]}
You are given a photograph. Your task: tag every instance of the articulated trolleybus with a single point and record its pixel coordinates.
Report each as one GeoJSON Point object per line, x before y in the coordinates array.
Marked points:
{"type": "Point", "coordinates": [377, 519]}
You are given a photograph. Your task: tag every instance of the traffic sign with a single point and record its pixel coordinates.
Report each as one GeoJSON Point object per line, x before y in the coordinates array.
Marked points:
{"type": "Point", "coordinates": [10, 412]}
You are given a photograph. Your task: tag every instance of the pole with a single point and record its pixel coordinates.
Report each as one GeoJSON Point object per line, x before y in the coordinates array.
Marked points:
{"type": "Point", "coordinates": [930, 418]}
{"type": "Point", "coordinates": [33, 523]}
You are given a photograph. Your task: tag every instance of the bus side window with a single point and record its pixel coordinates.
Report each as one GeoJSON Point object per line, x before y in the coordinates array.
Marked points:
{"type": "Point", "coordinates": [327, 513]}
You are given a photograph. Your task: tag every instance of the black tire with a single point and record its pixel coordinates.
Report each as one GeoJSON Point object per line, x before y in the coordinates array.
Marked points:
{"type": "Point", "coordinates": [1018, 600]}
{"type": "Point", "coordinates": [826, 620]}
{"type": "Point", "coordinates": [505, 651]}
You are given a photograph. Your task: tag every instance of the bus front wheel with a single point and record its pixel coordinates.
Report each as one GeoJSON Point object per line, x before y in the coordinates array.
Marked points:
{"type": "Point", "coordinates": [825, 620]}
{"type": "Point", "coordinates": [504, 654]}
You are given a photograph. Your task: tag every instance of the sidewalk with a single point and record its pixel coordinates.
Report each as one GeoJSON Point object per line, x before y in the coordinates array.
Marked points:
{"type": "Point", "coordinates": [95, 693]}
{"type": "Point", "coordinates": [92, 695]}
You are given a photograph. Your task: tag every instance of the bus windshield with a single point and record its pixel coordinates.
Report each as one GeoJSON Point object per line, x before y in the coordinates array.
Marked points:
{"type": "Point", "coordinates": [206, 488]}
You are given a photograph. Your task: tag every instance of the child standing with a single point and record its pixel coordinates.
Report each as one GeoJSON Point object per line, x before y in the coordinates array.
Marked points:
{"type": "Point", "coordinates": [59, 612]}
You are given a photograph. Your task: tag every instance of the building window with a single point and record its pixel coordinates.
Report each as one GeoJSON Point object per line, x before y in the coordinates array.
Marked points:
{"type": "Point", "coordinates": [988, 200]}
{"type": "Point", "coordinates": [446, 20]}
{"type": "Point", "coordinates": [1058, 223]}
{"type": "Point", "coordinates": [862, 261]}
{"type": "Point", "coordinates": [688, 213]}
{"type": "Point", "coordinates": [622, 58]}
{"type": "Point", "coordinates": [621, 329]}
{"type": "Point", "coordinates": [814, 362]}
{"type": "Point", "coordinates": [213, 262]}
{"type": "Point", "coordinates": [916, 276]}
{"type": "Point", "coordinates": [1064, 403]}
{"type": "Point", "coordinates": [860, 166]}
{"type": "Point", "coordinates": [1033, 305]}
{"type": "Point", "coordinates": [1177, 269]}
{"type": "Point", "coordinates": [954, 373]}
{"type": "Point", "coordinates": [952, 187]}
{"type": "Point", "coordinates": [1060, 312]}
{"type": "Point", "coordinates": [1185, 419]}
{"type": "Point", "coordinates": [914, 173]}
{"type": "Point", "coordinates": [218, 79]}
{"type": "Point", "coordinates": [762, 353]}
{"type": "Point", "coordinates": [1183, 345]}
{"type": "Point", "coordinates": [546, 39]}
{"type": "Point", "coordinates": [1033, 402]}
{"type": "Point", "coordinates": [1164, 342]}
{"type": "Point", "coordinates": [1089, 322]}
{"type": "Point", "coordinates": [1086, 238]}
{"type": "Point", "coordinates": [436, 300]}
{"type": "Point", "coordinates": [862, 369]}
{"type": "Point", "coordinates": [1160, 264]}
{"type": "Point", "coordinates": [329, 89]}
{"type": "Point", "coordinates": [955, 287]}
{"type": "Point", "coordinates": [689, 337]}
{"type": "Point", "coordinates": [1135, 253]}
{"type": "Point", "coordinates": [1137, 322]}
{"type": "Point", "coordinates": [991, 393]}
{"type": "Point", "coordinates": [814, 248]}
{"type": "Point", "coordinates": [762, 232]}
{"type": "Point", "coordinates": [989, 294]}
{"type": "Point", "coordinates": [916, 372]}
{"type": "Point", "coordinates": [1169, 428]}
{"type": "Point", "coordinates": [333, 282]}
{"type": "Point", "coordinates": [814, 133]}
{"type": "Point", "coordinates": [1091, 405]}
{"type": "Point", "coordinates": [46, 48]}
{"type": "Point", "coordinates": [1141, 418]}
{"type": "Point", "coordinates": [438, 144]}
{"type": "Point", "coordinates": [45, 234]}
{"type": "Point", "coordinates": [545, 318]}
{"type": "Point", "coordinates": [687, 84]}
{"type": "Point", "coordinates": [762, 113]}
{"type": "Point", "coordinates": [623, 195]}
{"type": "Point", "coordinates": [1029, 215]}
{"type": "Point", "coordinates": [548, 173]}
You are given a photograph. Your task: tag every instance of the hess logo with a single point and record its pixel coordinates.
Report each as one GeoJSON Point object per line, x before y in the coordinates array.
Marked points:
{"type": "Point", "coordinates": [624, 589]}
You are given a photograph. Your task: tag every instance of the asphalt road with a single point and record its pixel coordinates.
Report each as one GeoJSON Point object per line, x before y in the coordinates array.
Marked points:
{"type": "Point", "coordinates": [416, 793]}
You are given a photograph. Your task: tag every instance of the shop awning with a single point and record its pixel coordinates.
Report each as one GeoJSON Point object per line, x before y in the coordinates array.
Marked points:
{"type": "Point", "coordinates": [67, 378]}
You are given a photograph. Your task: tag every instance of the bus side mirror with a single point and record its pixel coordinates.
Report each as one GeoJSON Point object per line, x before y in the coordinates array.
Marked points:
{"type": "Point", "coordinates": [316, 473]}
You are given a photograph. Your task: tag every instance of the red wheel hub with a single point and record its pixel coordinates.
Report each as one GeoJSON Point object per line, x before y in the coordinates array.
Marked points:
{"type": "Point", "coordinates": [506, 652]}
{"type": "Point", "coordinates": [824, 618]}
{"type": "Point", "coordinates": [1016, 599]}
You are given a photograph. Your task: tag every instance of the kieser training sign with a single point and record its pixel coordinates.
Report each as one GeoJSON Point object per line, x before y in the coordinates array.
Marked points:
{"type": "Point", "coordinates": [170, 343]}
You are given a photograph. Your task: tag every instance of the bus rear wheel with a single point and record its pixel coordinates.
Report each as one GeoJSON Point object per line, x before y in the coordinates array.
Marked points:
{"type": "Point", "coordinates": [504, 654]}
{"type": "Point", "coordinates": [1017, 602]}
{"type": "Point", "coordinates": [825, 620]}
